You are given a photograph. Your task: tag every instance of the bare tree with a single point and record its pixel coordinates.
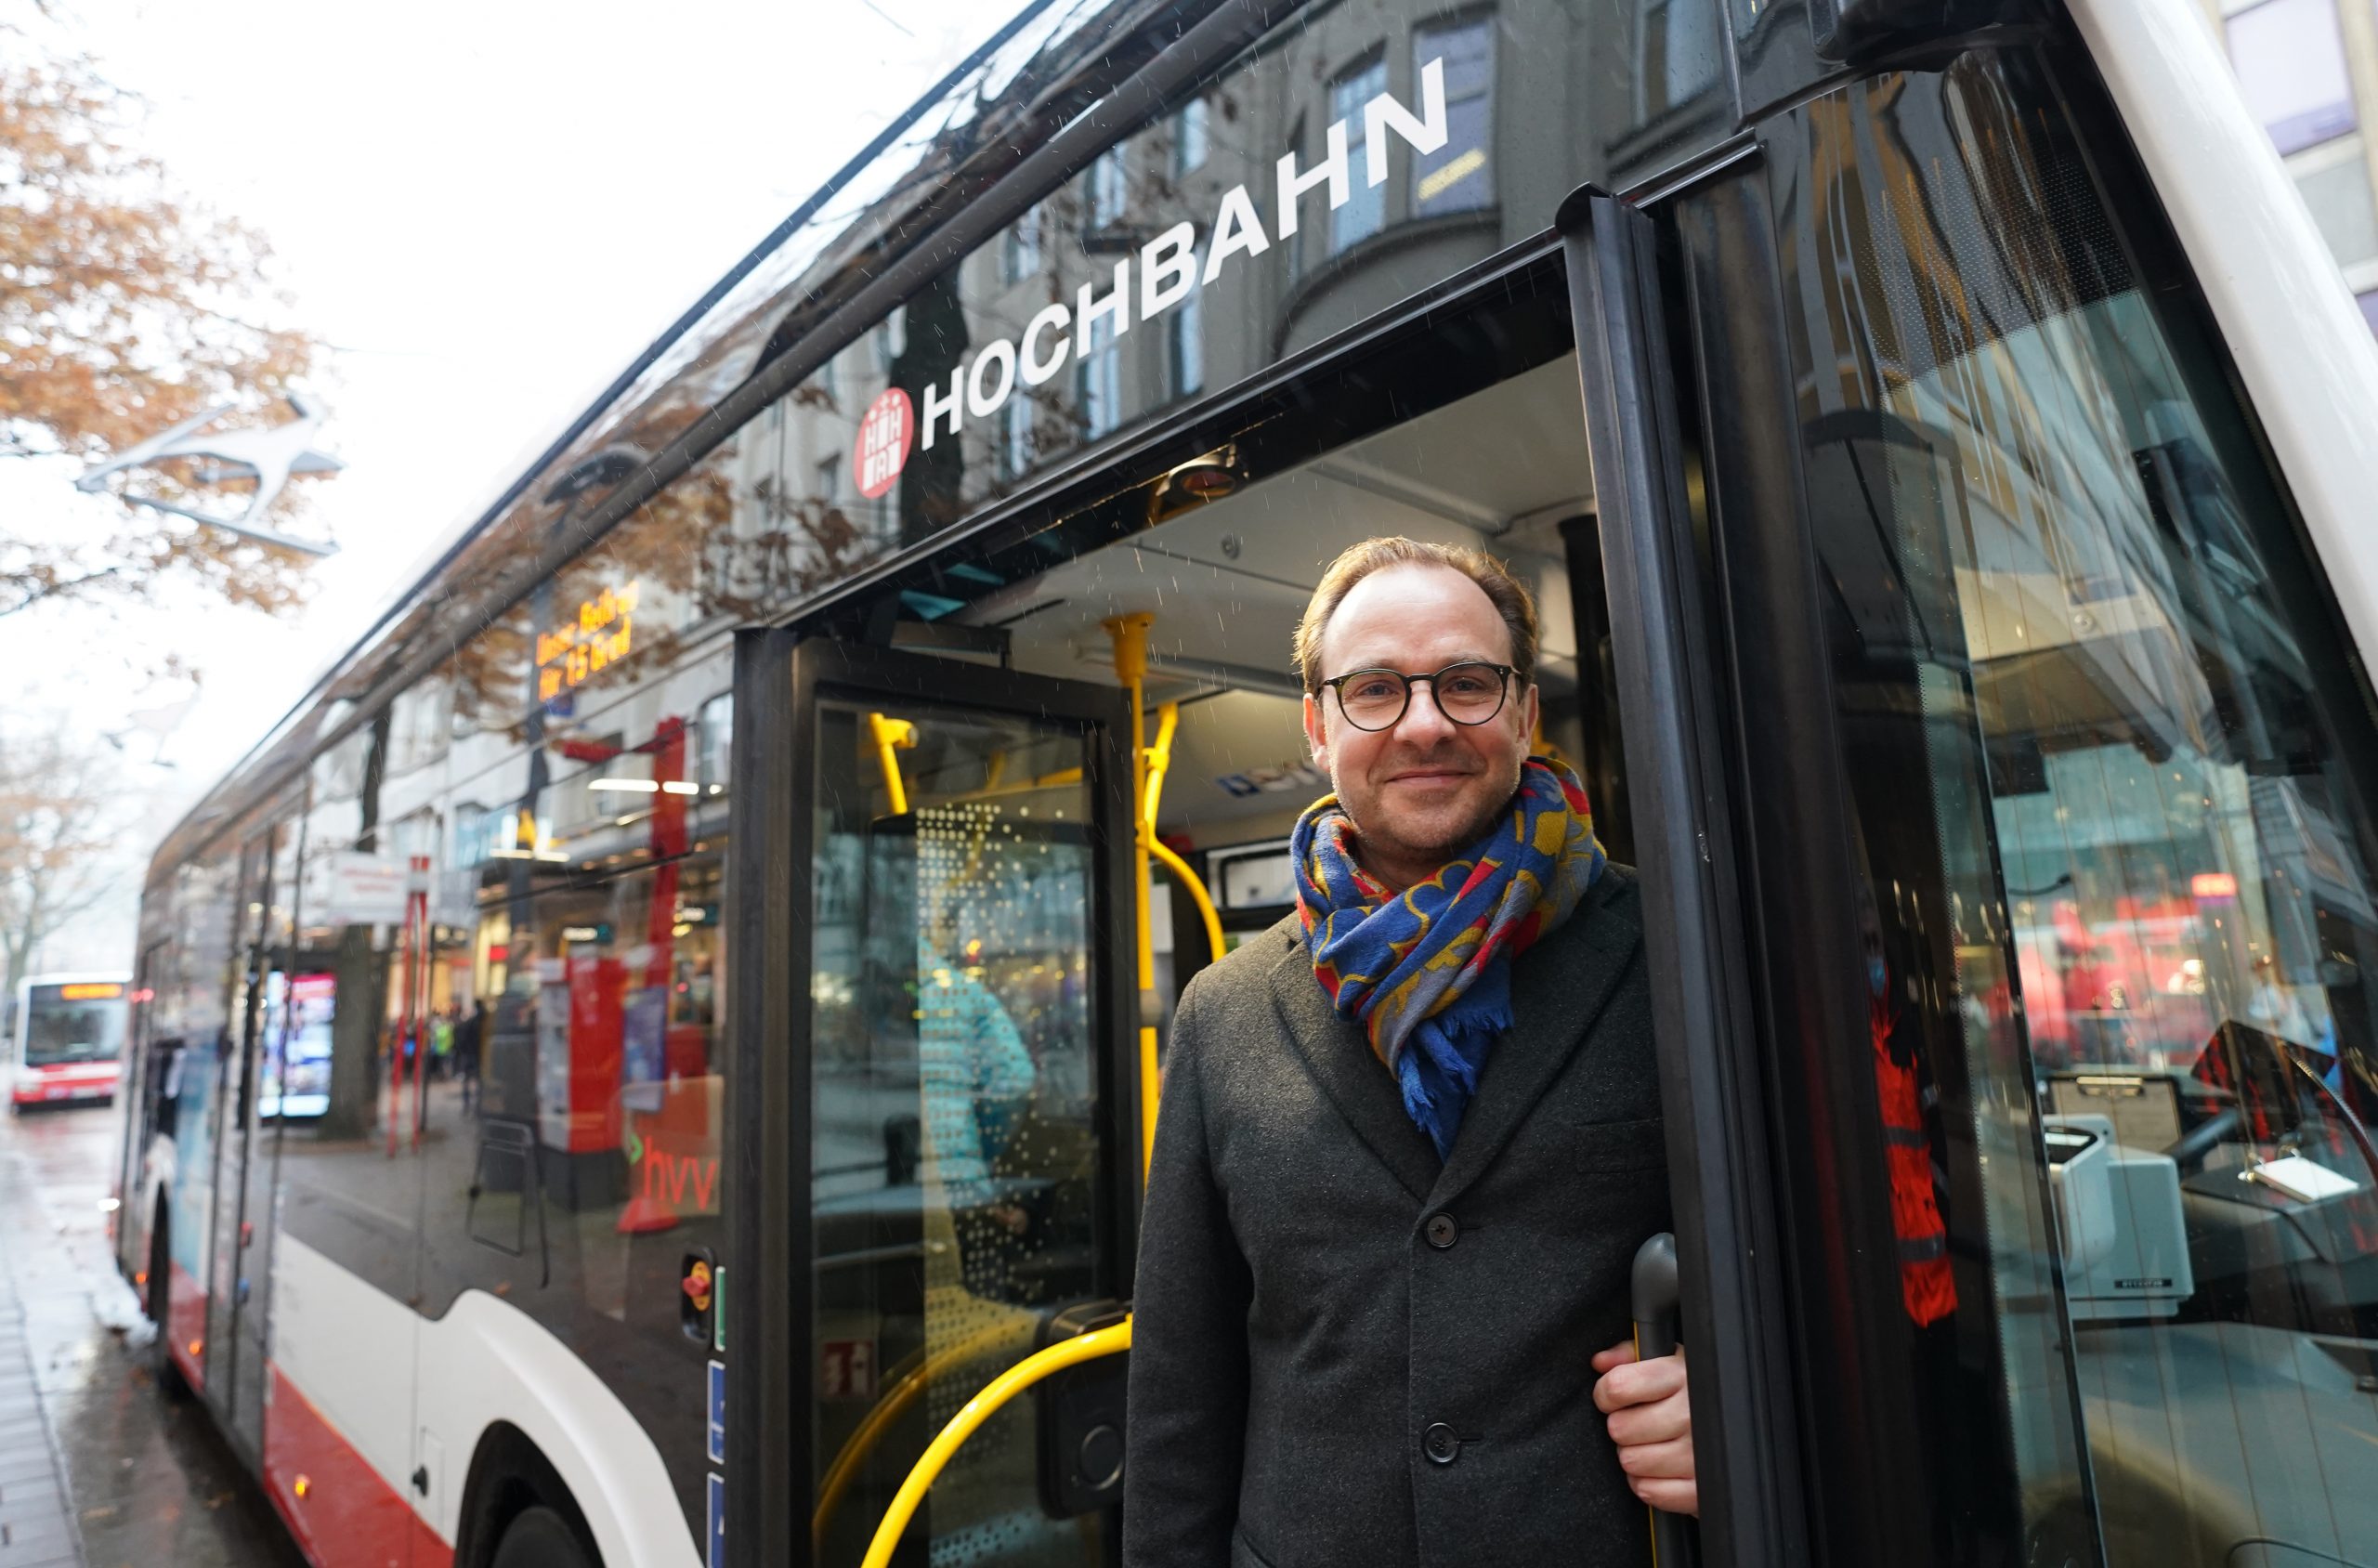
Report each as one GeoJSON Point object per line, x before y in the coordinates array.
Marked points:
{"type": "Point", "coordinates": [58, 811]}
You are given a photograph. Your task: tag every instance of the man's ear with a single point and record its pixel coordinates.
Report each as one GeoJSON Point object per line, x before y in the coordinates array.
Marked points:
{"type": "Point", "coordinates": [1314, 739]}
{"type": "Point", "coordinates": [1530, 713]}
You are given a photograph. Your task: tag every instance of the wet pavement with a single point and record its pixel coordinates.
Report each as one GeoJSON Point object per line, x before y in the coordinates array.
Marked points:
{"type": "Point", "coordinates": [99, 1466]}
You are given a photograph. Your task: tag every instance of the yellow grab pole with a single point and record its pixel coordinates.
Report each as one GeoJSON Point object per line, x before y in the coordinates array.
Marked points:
{"type": "Point", "coordinates": [1168, 719]}
{"type": "Point", "coordinates": [1131, 636]}
{"type": "Point", "coordinates": [892, 736]}
{"type": "Point", "coordinates": [1198, 892]}
{"type": "Point", "coordinates": [1006, 1386]}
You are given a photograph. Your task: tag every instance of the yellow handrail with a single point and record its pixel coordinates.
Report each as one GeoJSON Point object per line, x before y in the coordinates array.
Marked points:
{"type": "Point", "coordinates": [916, 1373]}
{"type": "Point", "coordinates": [1006, 1386]}
{"type": "Point", "coordinates": [1168, 719]}
{"type": "Point", "coordinates": [892, 736]}
{"type": "Point", "coordinates": [1198, 892]}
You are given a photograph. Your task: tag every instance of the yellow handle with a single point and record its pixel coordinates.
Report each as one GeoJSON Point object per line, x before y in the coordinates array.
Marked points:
{"type": "Point", "coordinates": [1198, 892]}
{"type": "Point", "coordinates": [893, 737]}
{"type": "Point", "coordinates": [910, 1380]}
{"type": "Point", "coordinates": [1006, 1386]}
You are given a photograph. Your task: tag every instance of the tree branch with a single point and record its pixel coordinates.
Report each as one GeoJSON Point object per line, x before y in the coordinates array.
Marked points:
{"type": "Point", "coordinates": [38, 592]}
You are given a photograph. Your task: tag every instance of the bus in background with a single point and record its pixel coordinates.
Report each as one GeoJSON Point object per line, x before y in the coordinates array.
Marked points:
{"type": "Point", "coordinates": [69, 1039]}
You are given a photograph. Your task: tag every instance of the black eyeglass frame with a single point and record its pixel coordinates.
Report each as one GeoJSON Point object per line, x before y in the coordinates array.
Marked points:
{"type": "Point", "coordinates": [1503, 695]}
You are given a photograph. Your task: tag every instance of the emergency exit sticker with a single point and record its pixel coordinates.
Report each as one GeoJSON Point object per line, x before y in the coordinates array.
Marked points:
{"type": "Point", "coordinates": [885, 433]}
{"type": "Point", "coordinates": [717, 1520]}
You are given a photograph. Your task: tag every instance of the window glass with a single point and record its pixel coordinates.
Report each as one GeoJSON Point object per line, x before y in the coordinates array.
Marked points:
{"type": "Point", "coordinates": [717, 733]}
{"type": "Point", "coordinates": [1677, 57]}
{"type": "Point", "coordinates": [956, 1144]}
{"type": "Point", "coordinates": [1459, 176]}
{"type": "Point", "coordinates": [2112, 775]}
{"type": "Point", "coordinates": [1106, 189]}
{"type": "Point", "coordinates": [1015, 436]}
{"type": "Point", "coordinates": [1188, 332]}
{"type": "Point", "coordinates": [2291, 67]}
{"type": "Point", "coordinates": [1189, 137]}
{"type": "Point", "coordinates": [1365, 212]}
{"type": "Point", "coordinates": [2339, 198]}
{"type": "Point", "coordinates": [1020, 250]}
{"type": "Point", "coordinates": [422, 725]}
{"type": "Point", "coordinates": [2368, 302]}
{"type": "Point", "coordinates": [1098, 380]}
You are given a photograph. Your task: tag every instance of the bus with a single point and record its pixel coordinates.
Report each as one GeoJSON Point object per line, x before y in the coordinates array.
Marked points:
{"type": "Point", "coordinates": [1938, 441]}
{"type": "Point", "coordinates": [69, 1039]}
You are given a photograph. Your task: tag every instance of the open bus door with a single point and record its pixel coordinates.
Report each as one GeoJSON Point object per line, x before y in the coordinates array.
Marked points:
{"type": "Point", "coordinates": [938, 1126]}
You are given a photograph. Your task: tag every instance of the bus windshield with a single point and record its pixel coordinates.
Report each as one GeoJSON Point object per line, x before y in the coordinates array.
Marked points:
{"type": "Point", "coordinates": [73, 1023]}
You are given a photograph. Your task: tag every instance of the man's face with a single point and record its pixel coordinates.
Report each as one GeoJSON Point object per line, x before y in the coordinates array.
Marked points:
{"type": "Point", "coordinates": [1425, 789]}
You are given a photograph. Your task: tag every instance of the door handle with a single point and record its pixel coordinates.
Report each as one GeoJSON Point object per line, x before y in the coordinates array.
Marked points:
{"type": "Point", "coordinates": [421, 1480]}
{"type": "Point", "coordinates": [1658, 1296]}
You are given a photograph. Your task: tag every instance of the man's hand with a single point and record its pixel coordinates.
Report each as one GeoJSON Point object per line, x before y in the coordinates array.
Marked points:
{"type": "Point", "coordinates": [1652, 1423]}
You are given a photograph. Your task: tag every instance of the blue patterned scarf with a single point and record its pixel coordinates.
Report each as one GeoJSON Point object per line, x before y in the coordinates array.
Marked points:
{"type": "Point", "coordinates": [1426, 972]}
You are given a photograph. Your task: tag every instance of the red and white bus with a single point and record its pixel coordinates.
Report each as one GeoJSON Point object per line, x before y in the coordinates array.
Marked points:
{"type": "Point", "coordinates": [68, 1041]}
{"type": "Point", "coordinates": [660, 1024]}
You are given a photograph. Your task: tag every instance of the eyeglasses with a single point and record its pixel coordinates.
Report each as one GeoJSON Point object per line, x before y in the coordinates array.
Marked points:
{"type": "Point", "coordinates": [1468, 694]}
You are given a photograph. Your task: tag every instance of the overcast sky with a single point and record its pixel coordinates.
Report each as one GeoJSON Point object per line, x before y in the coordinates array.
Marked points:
{"type": "Point", "coordinates": [488, 207]}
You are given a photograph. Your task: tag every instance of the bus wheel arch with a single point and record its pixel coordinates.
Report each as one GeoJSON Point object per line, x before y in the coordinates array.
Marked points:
{"type": "Point", "coordinates": [510, 1482]}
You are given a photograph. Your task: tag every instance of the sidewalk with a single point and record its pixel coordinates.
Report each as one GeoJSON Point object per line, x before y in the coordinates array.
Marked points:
{"type": "Point", "coordinates": [98, 1469]}
{"type": "Point", "coordinates": [37, 1527]}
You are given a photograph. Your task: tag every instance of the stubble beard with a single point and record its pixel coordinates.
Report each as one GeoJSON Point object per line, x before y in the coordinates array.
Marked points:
{"type": "Point", "coordinates": [1436, 848]}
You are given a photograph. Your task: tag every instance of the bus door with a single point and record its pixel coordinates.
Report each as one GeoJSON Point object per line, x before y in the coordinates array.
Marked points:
{"type": "Point", "coordinates": [944, 1230]}
{"type": "Point", "coordinates": [238, 1148]}
{"type": "Point", "coordinates": [136, 1104]}
{"type": "Point", "coordinates": [940, 1155]}
{"type": "Point", "coordinates": [260, 1108]}
{"type": "Point", "coordinates": [229, 1116]}
{"type": "Point", "coordinates": [2014, 857]}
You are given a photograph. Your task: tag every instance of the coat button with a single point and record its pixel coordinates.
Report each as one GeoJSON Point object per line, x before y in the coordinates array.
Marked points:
{"type": "Point", "coordinates": [1440, 1231]}
{"type": "Point", "coordinates": [1441, 1443]}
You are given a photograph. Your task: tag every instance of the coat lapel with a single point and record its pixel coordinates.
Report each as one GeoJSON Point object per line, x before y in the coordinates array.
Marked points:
{"type": "Point", "coordinates": [1558, 989]}
{"type": "Point", "coordinates": [1339, 1059]}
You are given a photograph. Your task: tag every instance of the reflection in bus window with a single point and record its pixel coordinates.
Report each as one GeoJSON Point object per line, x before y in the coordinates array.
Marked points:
{"type": "Point", "coordinates": [1677, 55]}
{"type": "Point", "coordinates": [2291, 68]}
{"type": "Point", "coordinates": [1458, 176]}
{"type": "Point", "coordinates": [956, 1148]}
{"type": "Point", "coordinates": [1365, 212]}
{"type": "Point", "coordinates": [1189, 139]}
{"type": "Point", "coordinates": [1188, 331]}
{"type": "Point", "coordinates": [2112, 778]}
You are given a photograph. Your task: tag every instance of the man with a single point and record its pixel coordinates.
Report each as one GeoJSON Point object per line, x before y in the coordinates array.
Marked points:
{"type": "Point", "coordinates": [1410, 1141]}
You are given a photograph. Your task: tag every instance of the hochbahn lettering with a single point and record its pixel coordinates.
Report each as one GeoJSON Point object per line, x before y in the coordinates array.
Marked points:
{"type": "Point", "coordinates": [1169, 267]}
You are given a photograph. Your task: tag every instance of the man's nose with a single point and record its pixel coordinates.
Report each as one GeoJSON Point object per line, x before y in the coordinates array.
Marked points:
{"type": "Point", "coordinates": [1423, 721]}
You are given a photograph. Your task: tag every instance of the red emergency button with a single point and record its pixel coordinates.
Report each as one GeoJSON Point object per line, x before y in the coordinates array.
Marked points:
{"type": "Point", "coordinates": [697, 1284]}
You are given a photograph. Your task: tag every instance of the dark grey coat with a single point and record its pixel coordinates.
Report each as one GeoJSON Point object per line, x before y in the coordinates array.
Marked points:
{"type": "Point", "coordinates": [1348, 1353]}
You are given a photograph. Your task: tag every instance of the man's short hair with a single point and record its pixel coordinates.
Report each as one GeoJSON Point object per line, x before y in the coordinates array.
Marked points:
{"type": "Point", "coordinates": [1511, 598]}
